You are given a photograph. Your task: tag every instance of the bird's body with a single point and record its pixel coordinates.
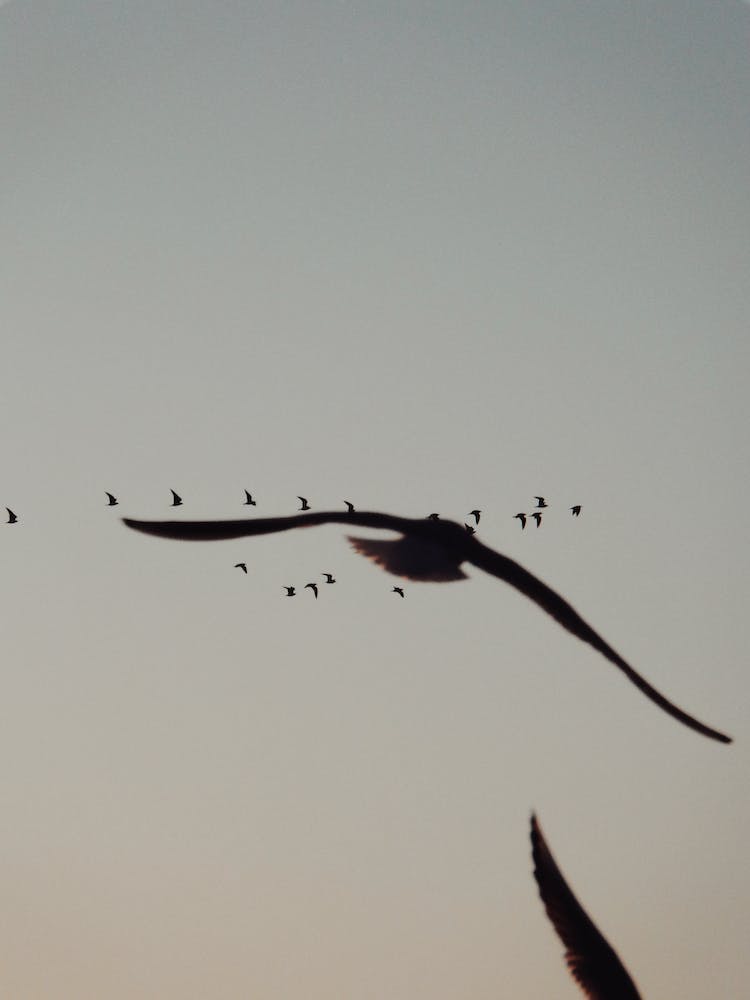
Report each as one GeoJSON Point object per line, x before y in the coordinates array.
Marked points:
{"type": "Point", "coordinates": [176, 499]}
{"type": "Point", "coordinates": [314, 588]}
{"type": "Point", "coordinates": [249, 502]}
{"type": "Point", "coordinates": [304, 504]}
{"type": "Point", "coordinates": [12, 518]}
{"type": "Point", "coordinates": [522, 519]}
{"type": "Point", "coordinates": [111, 500]}
{"type": "Point", "coordinates": [590, 958]}
{"type": "Point", "coordinates": [428, 550]}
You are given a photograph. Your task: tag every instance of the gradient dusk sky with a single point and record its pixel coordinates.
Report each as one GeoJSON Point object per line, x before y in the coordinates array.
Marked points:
{"type": "Point", "coordinates": [423, 257]}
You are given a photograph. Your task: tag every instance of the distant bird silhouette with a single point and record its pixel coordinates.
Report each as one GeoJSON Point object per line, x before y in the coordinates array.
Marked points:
{"type": "Point", "coordinates": [11, 516]}
{"type": "Point", "coordinates": [242, 566]}
{"type": "Point", "coordinates": [329, 578]}
{"type": "Point", "coordinates": [290, 591]}
{"type": "Point", "coordinates": [477, 514]}
{"type": "Point", "coordinates": [249, 502]}
{"type": "Point", "coordinates": [349, 505]}
{"type": "Point", "coordinates": [522, 519]}
{"type": "Point", "coordinates": [432, 517]}
{"type": "Point", "coordinates": [428, 550]}
{"type": "Point", "coordinates": [176, 499]}
{"type": "Point", "coordinates": [314, 588]}
{"type": "Point", "coordinates": [398, 590]}
{"type": "Point", "coordinates": [537, 517]}
{"type": "Point", "coordinates": [576, 510]}
{"type": "Point", "coordinates": [305, 504]}
{"type": "Point", "coordinates": [590, 958]}
{"type": "Point", "coordinates": [540, 502]}
{"type": "Point", "coordinates": [470, 528]}
{"type": "Point", "coordinates": [111, 500]}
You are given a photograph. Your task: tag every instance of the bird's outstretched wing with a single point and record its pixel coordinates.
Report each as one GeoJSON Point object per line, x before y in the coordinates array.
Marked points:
{"type": "Point", "coordinates": [566, 615]}
{"type": "Point", "coordinates": [411, 558]}
{"type": "Point", "coordinates": [591, 960]}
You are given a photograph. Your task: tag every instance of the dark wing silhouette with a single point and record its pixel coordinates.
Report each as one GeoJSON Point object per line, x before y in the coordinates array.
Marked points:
{"type": "Point", "coordinates": [566, 615]}
{"type": "Point", "coordinates": [428, 550]}
{"type": "Point", "coordinates": [592, 962]}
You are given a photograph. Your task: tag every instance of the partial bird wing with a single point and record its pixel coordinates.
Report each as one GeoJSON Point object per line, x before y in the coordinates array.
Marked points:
{"type": "Point", "coordinates": [513, 573]}
{"type": "Point", "coordinates": [591, 960]}
{"type": "Point", "coordinates": [411, 558]}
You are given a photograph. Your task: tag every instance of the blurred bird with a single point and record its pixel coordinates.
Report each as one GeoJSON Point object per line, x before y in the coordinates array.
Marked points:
{"type": "Point", "coordinates": [540, 501]}
{"type": "Point", "coordinates": [176, 499]}
{"type": "Point", "coordinates": [242, 566]}
{"type": "Point", "coordinates": [537, 517]}
{"type": "Point", "coordinates": [428, 550]}
{"type": "Point", "coordinates": [432, 517]}
{"type": "Point", "coordinates": [576, 510]}
{"type": "Point", "coordinates": [470, 528]}
{"type": "Point", "coordinates": [305, 504]}
{"type": "Point", "coordinates": [476, 513]}
{"type": "Point", "coordinates": [111, 500]}
{"type": "Point", "coordinates": [398, 590]}
{"type": "Point", "coordinates": [290, 591]}
{"type": "Point", "coordinates": [314, 588]}
{"type": "Point", "coordinates": [329, 578]}
{"type": "Point", "coordinates": [249, 502]}
{"type": "Point", "coordinates": [590, 958]}
{"type": "Point", "coordinates": [349, 505]}
{"type": "Point", "coordinates": [522, 519]}
{"type": "Point", "coordinates": [11, 516]}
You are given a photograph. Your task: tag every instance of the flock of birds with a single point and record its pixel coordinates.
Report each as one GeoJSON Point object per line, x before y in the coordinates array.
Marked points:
{"type": "Point", "coordinates": [434, 549]}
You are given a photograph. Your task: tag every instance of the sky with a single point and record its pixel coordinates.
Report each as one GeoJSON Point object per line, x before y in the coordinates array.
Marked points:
{"type": "Point", "coordinates": [423, 257]}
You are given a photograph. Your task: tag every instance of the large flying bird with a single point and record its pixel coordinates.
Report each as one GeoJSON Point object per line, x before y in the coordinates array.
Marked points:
{"type": "Point", "coordinates": [427, 550]}
{"type": "Point", "coordinates": [593, 963]}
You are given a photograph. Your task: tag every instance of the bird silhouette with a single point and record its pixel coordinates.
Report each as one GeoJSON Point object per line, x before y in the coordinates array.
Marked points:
{"type": "Point", "coordinates": [111, 500]}
{"type": "Point", "coordinates": [537, 517]}
{"type": "Point", "coordinates": [590, 958]}
{"type": "Point", "coordinates": [540, 501]}
{"type": "Point", "coordinates": [242, 566]}
{"type": "Point", "coordinates": [305, 504]}
{"type": "Point", "coordinates": [249, 502]}
{"type": "Point", "coordinates": [522, 519]}
{"type": "Point", "coordinates": [349, 505]}
{"type": "Point", "coordinates": [329, 578]}
{"type": "Point", "coordinates": [176, 499]}
{"type": "Point", "coordinates": [398, 590]}
{"type": "Point", "coordinates": [432, 517]}
{"type": "Point", "coordinates": [11, 516]}
{"type": "Point", "coordinates": [314, 588]}
{"type": "Point", "coordinates": [470, 528]}
{"type": "Point", "coordinates": [290, 591]}
{"type": "Point", "coordinates": [477, 514]}
{"type": "Point", "coordinates": [428, 550]}
{"type": "Point", "coordinates": [576, 510]}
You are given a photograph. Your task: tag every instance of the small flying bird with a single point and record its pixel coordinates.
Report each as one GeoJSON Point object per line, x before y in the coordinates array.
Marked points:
{"type": "Point", "coordinates": [349, 505]}
{"type": "Point", "coordinates": [11, 516]}
{"type": "Point", "coordinates": [522, 519]}
{"type": "Point", "coordinates": [314, 588]}
{"type": "Point", "coordinates": [176, 499]}
{"type": "Point", "coordinates": [249, 502]}
{"type": "Point", "coordinates": [429, 550]}
{"type": "Point", "coordinates": [476, 513]}
{"type": "Point", "coordinates": [576, 510]}
{"type": "Point", "coordinates": [111, 500]}
{"type": "Point", "coordinates": [305, 504]}
{"type": "Point", "coordinates": [540, 501]}
{"type": "Point", "coordinates": [432, 517]}
{"type": "Point", "coordinates": [329, 578]}
{"type": "Point", "coordinates": [290, 591]}
{"type": "Point", "coordinates": [592, 961]}
{"type": "Point", "coordinates": [537, 517]}
{"type": "Point", "coordinates": [398, 590]}
{"type": "Point", "coordinates": [470, 528]}
{"type": "Point", "coordinates": [242, 566]}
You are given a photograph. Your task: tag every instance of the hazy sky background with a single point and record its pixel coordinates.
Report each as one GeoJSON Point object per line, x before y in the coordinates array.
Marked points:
{"type": "Point", "coordinates": [425, 257]}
